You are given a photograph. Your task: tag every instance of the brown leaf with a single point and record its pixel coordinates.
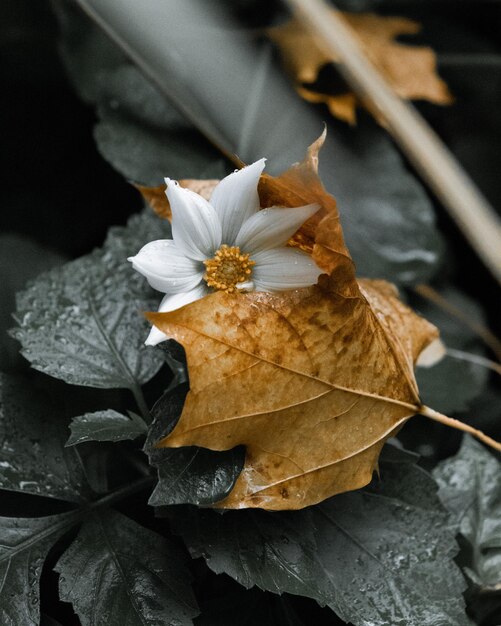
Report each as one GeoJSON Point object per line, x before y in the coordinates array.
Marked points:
{"type": "Point", "coordinates": [343, 106]}
{"type": "Point", "coordinates": [156, 198]}
{"type": "Point", "coordinates": [321, 235]}
{"type": "Point", "coordinates": [410, 70]}
{"type": "Point", "coordinates": [311, 381]}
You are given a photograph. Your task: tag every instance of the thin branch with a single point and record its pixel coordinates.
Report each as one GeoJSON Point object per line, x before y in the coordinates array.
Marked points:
{"type": "Point", "coordinates": [466, 205]}
{"type": "Point", "coordinates": [480, 59]}
{"type": "Point", "coordinates": [490, 340]}
{"type": "Point", "coordinates": [123, 492]}
{"type": "Point", "coordinates": [453, 423]}
{"type": "Point", "coordinates": [474, 358]}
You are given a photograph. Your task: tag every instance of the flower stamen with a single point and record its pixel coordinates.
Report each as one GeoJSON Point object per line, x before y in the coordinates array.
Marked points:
{"type": "Point", "coordinates": [228, 268]}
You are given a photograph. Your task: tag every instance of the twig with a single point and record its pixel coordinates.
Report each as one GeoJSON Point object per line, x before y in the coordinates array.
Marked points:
{"type": "Point", "coordinates": [481, 59]}
{"type": "Point", "coordinates": [452, 423]}
{"type": "Point", "coordinates": [491, 341]}
{"type": "Point", "coordinates": [123, 492]}
{"type": "Point", "coordinates": [474, 358]}
{"type": "Point", "coordinates": [445, 176]}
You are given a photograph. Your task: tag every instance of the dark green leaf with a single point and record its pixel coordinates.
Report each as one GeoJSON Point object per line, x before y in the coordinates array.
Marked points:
{"type": "Point", "coordinates": [175, 357]}
{"type": "Point", "coordinates": [275, 551]}
{"type": "Point", "coordinates": [20, 260]}
{"type": "Point", "coordinates": [380, 556]}
{"type": "Point", "coordinates": [121, 574]}
{"type": "Point", "coordinates": [143, 137]}
{"type": "Point", "coordinates": [453, 383]}
{"type": "Point", "coordinates": [105, 426]}
{"type": "Point", "coordinates": [87, 53]}
{"type": "Point", "coordinates": [230, 89]}
{"type": "Point", "coordinates": [187, 475]}
{"type": "Point", "coordinates": [32, 454]}
{"type": "Point", "coordinates": [470, 488]}
{"type": "Point", "coordinates": [139, 133]}
{"type": "Point", "coordinates": [389, 561]}
{"type": "Point", "coordinates": [23, 548]}
{"type": "Point", "coordinates": [145, 156]}
{"type": "Point", "coordinates": [83, 322]}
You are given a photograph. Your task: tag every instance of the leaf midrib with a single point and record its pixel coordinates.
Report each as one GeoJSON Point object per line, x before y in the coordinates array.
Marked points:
{"type": "Point", "coordinates": [358, 392]}
{"type": "Point", "coordinates": [13, 551]}
{"type": "Point", "coordinates": [113, 349]}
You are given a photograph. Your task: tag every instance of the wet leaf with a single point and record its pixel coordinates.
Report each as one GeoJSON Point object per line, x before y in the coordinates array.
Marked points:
{"type": "Point", "coordinates": [275, 552]}
{"type": "Point", "coordinates": [20, 259]}
{"type": "Point", "coordinates": [388, 219]}
{"type": "Point", "coordinates": [380, 556]}
{"type": "Point", "coordinates": [105, 426]}
{"type": "Point", "coordinates": [117, 572]}
{"type": "Point", "coordinates": [470, 488]}
{"type": "Point", "coordinates": [410, 70]}
{"type": "Point", "coordinates": [187, 475]}
{"type": "Point", "coordinates": [24, 547]}
{"type": "Point", "coordinates": [340, 357]}
{"type": "Point", "coordinates": [82, 322]}
{"type": "Point", "coordinates": [32, 454]}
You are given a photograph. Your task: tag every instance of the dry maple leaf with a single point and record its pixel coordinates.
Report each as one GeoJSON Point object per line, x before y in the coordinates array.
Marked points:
{"type": "Point", "coordinates": [410, 70]}
{"type": "Point", "coordinates": [311, 381]}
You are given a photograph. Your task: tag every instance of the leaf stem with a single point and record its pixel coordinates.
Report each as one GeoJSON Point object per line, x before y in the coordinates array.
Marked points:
{"type": "Point", "coordinates": [453, 423]}
{"type": "Point", "coordinates": [115, 496]}
{"type": "Point", "coordinates": [77, 515]}
{"type": "Point", "coordinates": [133, 383]}
{"type": "Point", "coordinates": [137, 392]}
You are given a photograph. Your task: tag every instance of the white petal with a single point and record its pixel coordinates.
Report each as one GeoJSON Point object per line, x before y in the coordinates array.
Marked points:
{"type": "Point", "coordinates": [284, 268]}
{"type": "Point", "coordinates": [166, 268]}
{"type": "Point", "coordinates": [235, 199]}
{"type": "Point", "coordinates": [172, 302]}
{"type": "Point", "coordinates": [196, 228]}
{"type": "Point", "coordinates": [271, 228]}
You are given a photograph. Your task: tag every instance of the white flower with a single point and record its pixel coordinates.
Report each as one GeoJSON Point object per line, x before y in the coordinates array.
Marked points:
{"type": "Point", "coordinates": [227, 244]}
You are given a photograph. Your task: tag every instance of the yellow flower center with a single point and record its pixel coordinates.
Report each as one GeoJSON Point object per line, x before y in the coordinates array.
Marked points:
{"type": "Point", "coordinates": [227, 268]}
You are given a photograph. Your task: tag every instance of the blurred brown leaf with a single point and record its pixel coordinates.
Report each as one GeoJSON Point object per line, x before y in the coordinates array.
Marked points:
{"type": "Point", "coordinates": [156, 198]}
{"type": "Point", "coordinates": [410, 70]}
{"type": "Point", "coordinates": [311, 381]}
